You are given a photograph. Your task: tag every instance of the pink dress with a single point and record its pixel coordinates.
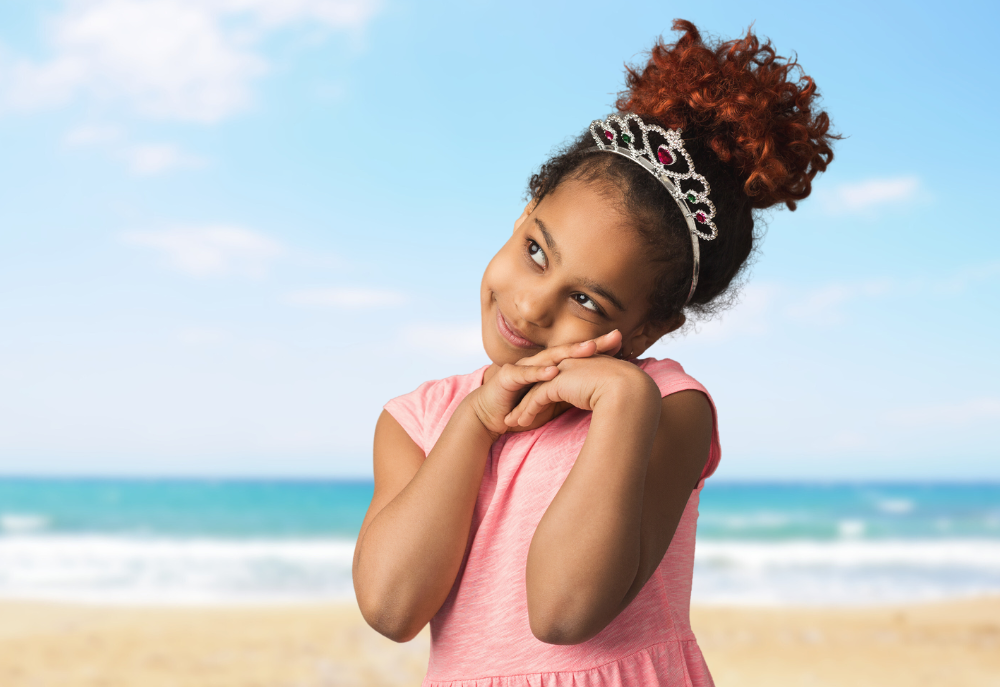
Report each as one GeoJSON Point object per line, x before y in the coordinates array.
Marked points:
{"type": "Point", "coordinates": [480, 637]}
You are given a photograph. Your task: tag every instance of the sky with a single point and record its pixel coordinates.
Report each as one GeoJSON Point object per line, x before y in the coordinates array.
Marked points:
{"type": "Point", "coordinates": [230, 230]}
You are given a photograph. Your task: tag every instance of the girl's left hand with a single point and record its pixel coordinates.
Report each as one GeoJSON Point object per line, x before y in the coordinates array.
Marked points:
{"type": "Point", "coordinates": [581, 382]}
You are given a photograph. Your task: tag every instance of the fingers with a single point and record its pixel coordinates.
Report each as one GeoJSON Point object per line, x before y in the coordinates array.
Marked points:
{"type": "Point", "coordinates": [607, 344]}
{"type": "Point", "coordinates": [516, 377]}
{"type": "Point", "coordinates": [531, 405]}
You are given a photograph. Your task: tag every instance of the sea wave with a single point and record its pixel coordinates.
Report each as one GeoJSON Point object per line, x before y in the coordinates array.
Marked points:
{"type": "Point", "coordinates": [22, 523]}
{"type": "Point", "coordinates": [165, 571]}
{"type": "Point", "coordinates": [174, 571]}
{"type": "Point", "coordinates": [844, 572]}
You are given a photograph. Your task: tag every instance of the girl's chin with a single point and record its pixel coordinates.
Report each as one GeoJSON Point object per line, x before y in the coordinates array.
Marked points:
{"type": "Point", "coordinates": [497, 351]}
{"type": "Point", "coordinates": [501, 353]}
{"type": "Point", "coordinates": [498, 357]}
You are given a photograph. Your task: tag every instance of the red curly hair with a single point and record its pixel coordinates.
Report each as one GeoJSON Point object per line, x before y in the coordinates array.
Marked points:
{"type": "Point", "coordinates": [752, 126]}
{"type": "Point", "coordinates": [746, 102]}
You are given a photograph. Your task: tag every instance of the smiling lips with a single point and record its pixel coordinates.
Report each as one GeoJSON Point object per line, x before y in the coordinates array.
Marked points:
{"type": "Point", "coordinates": [513, 337]}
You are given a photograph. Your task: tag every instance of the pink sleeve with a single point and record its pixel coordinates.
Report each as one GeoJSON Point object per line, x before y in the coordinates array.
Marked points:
{"type": "Point", "coordinates": [424, 412]}
{"type": "Point", "coordinates": [410, 411]}
{"type": "Point", "coordinates": [671, 378]}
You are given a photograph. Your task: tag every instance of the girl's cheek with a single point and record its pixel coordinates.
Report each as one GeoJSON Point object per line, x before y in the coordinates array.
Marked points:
{"type": "Point", "coordinates": [501, 273]}
{"type": "Point", "coordinates": [490, 277]}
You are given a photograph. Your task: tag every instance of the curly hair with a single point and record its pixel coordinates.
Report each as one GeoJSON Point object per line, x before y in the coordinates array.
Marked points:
{"type": "Point", "coordinates": [751, 126]}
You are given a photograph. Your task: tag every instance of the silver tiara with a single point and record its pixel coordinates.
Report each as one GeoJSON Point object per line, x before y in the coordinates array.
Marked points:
{"type": "Point", "coordinates": [616, 135]}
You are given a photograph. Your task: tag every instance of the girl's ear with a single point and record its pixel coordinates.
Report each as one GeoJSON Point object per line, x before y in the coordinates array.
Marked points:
{"type": "Point", "coordinates": [648, 334]}
{"type": "Point", "coordinates": [524, 215]}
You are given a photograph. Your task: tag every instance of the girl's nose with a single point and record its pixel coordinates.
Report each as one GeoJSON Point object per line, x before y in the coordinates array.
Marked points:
{"type": "Point", "coordinates": [535, 307]}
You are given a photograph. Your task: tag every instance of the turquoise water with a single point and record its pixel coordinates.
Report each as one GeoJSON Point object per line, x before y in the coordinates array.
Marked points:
{"type": "Point", "coordinates": [186, 508]}
{"type": "Point", "coordinates": [825, 512]}
{"type": "Point", "coordinates": [287, 509]}
{"type": "Point", "coordinates": [240, 541]}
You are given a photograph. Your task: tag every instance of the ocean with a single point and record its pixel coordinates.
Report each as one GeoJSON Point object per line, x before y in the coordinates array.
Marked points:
{"type": "Point", "coordinates": [187, 541]}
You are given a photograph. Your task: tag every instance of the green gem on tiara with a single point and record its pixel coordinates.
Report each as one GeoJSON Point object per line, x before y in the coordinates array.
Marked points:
{"type": "Point", "coordinates": [616, 130]}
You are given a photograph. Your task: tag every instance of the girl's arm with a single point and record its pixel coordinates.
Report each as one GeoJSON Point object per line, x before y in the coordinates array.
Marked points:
{"type": "Point", "coordinates": [608, 527]}
{"type": "Point", "coordinates": [414, 536]}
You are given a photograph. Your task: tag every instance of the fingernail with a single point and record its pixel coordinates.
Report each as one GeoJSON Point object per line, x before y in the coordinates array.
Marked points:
{"type": "Point", "coordinates": [582, 344]}
{"type": "Point", "coordinates": [551, 368]}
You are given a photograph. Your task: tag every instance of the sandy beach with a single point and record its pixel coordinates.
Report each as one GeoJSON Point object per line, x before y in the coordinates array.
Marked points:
{"type": "Point", "coordinates": [954, 644]}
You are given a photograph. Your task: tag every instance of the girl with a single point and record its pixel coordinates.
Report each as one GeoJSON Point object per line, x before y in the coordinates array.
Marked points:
{"type": "Point", "coordinates": [540, 512]}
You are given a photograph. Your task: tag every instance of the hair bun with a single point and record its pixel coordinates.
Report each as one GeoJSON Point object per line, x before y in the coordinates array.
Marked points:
{"type": "Point", "coordinates": [752, 107]}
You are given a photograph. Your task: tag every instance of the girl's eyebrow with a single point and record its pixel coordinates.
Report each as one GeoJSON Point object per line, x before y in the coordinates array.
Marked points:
{"type": "Point", "coordinates": [550, 245]}
{"type": "Point", "coordinates": [603, 292]}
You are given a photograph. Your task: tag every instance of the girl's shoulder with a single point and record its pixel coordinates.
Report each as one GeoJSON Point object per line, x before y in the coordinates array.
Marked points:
{"type": "Point", "coordinates": [670, 377]}
{"type": "Point", "coordinates": [424, 412]}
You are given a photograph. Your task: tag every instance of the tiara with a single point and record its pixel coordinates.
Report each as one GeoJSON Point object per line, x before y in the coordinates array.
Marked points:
{"type": "Point", "coordinates": [615, 135]}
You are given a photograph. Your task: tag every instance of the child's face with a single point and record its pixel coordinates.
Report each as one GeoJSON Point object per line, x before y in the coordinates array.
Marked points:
{"type": "Point", "coordinates": [573, 270]}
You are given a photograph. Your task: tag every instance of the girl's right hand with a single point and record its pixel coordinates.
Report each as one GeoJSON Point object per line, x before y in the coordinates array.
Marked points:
{"type": "Point", "coordinates": [504, 386]}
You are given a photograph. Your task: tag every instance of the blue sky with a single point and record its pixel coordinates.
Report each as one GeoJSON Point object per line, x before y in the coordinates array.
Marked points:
{"type": "Point", "coordinates": [230, 230]}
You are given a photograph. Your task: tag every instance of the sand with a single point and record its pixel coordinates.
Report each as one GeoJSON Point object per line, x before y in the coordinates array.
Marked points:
{"type": "Point", "coordinates": [953, 644]}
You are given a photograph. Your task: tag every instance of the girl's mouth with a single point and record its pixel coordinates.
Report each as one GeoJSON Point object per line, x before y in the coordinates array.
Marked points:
{"type": "Point", "coordinates": [513, 337]}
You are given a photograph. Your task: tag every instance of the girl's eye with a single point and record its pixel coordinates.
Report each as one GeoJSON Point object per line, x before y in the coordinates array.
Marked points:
{"type": "Point", "coordinates": [537, 254]}
{"type": "Point", "coordinates": [586, 301]}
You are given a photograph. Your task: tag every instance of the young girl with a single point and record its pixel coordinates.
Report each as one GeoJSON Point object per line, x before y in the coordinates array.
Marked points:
{"type": "Point", "coordinates": [540, 512]}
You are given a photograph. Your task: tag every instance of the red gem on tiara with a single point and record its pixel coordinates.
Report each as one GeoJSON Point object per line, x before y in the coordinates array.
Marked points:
{"type": "Point", "coordinates": [619, 138]}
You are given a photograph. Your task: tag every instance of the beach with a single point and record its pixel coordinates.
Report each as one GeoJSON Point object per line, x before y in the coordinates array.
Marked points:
{"type": "Point", "coordinates": [955, 643]}
{"type": "Point", "coordinates": [198, 583]}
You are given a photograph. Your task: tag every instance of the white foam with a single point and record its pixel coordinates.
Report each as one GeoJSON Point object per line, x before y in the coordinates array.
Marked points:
{"type": "Point", "coordinates": [896, 506]}
{"type": "Point", "coordinates": [851, 528]}
{"type": "Point", "coordinates": [760, 520]}
{"type": "Point", "coordinates": [848, 571]}
{"type": "Point", "coordinates": [133, 570]}
{"type": "Point", "coordinates": [169, 571]}
{"type": "Point", "coordinates": [21, 523]}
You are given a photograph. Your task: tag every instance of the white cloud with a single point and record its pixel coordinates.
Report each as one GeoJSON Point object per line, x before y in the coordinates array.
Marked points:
{"type": "Point", "coordinates": [765, 308]}
{"type": "Point", "coordinates": [165, 58]}
{"type": "Point", "coordinates": [825, 305]}
{"type": "Point", "coordinates": [349, 297]}
{"type": "Point", "coordinates": [191, 60]}
{"type": "Point", "coordinates": [750, 317]}
{"type": "Point", "coordinates": [966, 278]}
{"type": "Point", "coordinates": [211, 250]}
{"type": "Point", "coordinates": [271, 13]}
{"type": "Point", "coordinates": [92, 135]}
{"type": "Point", "coordinates": [153, 158]}
{"type": "Point", "coordinates": [870, 193]}
{"type": "Point", "coordinates": [948, 415]}
{"type": "Point", "coordinates": [846, 440]}
{"type": "Point", "coordinates": [447, 339]}
{"type": "Point", "coordinates": [201, 336]}
{"type": "Point", "coordinates": [142, 158]}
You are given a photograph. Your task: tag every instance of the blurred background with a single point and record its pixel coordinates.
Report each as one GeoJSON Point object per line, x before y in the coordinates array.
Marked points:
{"type": "Point", "coordinates": [230, 230]}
